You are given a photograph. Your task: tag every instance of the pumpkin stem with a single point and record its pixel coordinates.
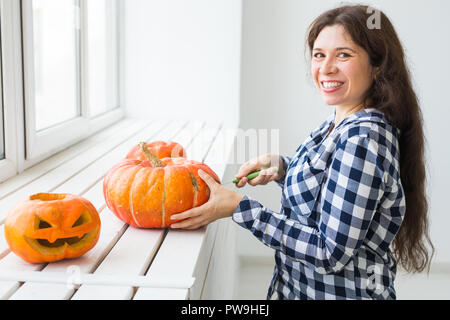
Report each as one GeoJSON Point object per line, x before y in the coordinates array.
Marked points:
{"type": "Point", "coordinates": [154, 160]}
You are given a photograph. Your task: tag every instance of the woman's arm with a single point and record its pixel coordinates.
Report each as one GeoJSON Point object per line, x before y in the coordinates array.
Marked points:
{"type": "Point", "coordinates": [350, 196]}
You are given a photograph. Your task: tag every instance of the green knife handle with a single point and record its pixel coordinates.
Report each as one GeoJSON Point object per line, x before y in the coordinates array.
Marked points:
{"type": "Point", "coordinates": [251, 176]}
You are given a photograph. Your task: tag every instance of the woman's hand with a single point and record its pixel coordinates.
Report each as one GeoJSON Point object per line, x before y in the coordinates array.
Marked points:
{"type": "Point", "coordinates": [221, 204]}
{"type": "Point", "coordinates": [266, 163]}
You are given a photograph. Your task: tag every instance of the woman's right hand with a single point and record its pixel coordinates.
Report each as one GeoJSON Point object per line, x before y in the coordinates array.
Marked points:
{"type": "Point", "coordinates": [267, 164]}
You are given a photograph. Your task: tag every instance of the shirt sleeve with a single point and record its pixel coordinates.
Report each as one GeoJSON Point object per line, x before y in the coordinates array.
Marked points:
{"type": "Point", "coordinates": [286, 160]}
{"type": "Point", "coordinates": [349, 198]}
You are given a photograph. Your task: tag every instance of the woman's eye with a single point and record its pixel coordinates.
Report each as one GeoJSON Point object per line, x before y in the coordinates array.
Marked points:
{"type": "Point", "coordinates": [319, 55]}
{"type": "Point", "coordinates": [344, 55]}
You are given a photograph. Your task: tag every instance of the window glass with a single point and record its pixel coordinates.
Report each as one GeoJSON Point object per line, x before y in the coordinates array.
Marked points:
{"type": "Point", "coordinates": [55, 49]}
{"type": "Point", "coordinates": [102, 56]}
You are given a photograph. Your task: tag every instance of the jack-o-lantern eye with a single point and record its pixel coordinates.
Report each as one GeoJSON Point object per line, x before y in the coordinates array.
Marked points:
{"type": "Point", "coordinates": [83, 219]}
{"type": "Point", "coordinates": [43, 224]}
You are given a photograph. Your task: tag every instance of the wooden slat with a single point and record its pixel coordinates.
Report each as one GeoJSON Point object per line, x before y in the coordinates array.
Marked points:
{"type": "Point", "coordinates": [203, 260]}
{"type": "Point", "coordinates": [213, 289]}
{"type": "Point", "coordinates": [218, 157]}
{"type": "Point", "coordinates": [189, 244]}
{"type": "Point", "coordinates": [112, 228]}
{"type": "Point", "coordinates": [144, 243]}
{"type": "Point", "coordinates": [130, 255]}
{"type": "Point", "coordinates": [9, 264]}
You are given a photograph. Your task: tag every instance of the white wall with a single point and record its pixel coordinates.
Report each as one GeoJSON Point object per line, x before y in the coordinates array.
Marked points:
{"type": "Point", "coordinates": [182, 59]}
{"type": "Point", "coordinates": [276, 92]}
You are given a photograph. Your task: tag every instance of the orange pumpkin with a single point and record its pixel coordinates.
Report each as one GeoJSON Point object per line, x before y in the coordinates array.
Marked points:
{"type": "Point", "coordinates": [49, 227]}
{"type": "Point", "coordinates": [161, 149]}
{"type": "Point", "coordinates": [146, 193]}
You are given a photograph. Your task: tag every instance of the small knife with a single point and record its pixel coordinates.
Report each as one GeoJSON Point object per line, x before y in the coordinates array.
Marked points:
{"type": "Point", "coordinates": [251, 176]}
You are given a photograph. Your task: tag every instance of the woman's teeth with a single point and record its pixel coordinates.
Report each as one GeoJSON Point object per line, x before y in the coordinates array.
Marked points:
{"type": "Point", "coordinates": [330, 85]}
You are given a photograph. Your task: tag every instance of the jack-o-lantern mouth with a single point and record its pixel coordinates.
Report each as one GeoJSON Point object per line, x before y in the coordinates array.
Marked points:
{"type": "Point", "coordinates": [59, 245]}
{"type": "Point", "coordinates": [59, 242]}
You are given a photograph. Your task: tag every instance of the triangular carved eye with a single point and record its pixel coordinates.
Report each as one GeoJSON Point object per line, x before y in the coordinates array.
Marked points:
{"type": "Point", "coordinates": [44, 224]}
{"type": "Point", "coordinates": [84, 218]}
{"type": "Point", "coordinates": [79, 222]}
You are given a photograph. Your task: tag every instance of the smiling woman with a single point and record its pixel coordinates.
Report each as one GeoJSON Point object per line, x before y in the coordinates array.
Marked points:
{"type": "Point", "coordinates": [353, 203]}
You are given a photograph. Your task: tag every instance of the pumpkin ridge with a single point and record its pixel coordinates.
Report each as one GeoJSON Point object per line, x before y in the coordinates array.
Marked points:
{"type": "Point", "coordinates": [194, 181]}
{"type": "Point", "coordinates": [133, 215]}
{"type": "Point", "coordinates": [150, 189]}
{"type": "Point", "coordinates": [114, 179]}
{"type": "Point", "coordinates": [196, 188]}
{"type": "Point", "coordinates": [163, 200]}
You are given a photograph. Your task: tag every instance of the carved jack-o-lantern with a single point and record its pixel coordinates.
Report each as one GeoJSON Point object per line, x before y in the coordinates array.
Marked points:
{"type": "Point", "coordinates": [48, 227]}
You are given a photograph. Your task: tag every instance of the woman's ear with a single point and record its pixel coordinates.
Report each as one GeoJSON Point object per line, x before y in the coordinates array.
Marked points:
{"type": "Point", "coordinates": [375, 73]}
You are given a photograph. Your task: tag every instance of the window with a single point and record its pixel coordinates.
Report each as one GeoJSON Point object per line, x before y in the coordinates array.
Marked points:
{"type": "Point", "coordinates": [60, 77]}
{"type": "Point", "coordinates": [71, 71]}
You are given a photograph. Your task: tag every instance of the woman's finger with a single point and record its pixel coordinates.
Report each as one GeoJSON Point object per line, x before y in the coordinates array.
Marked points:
{"type": "Point", "coordinates": [256, 181]}
{"type": "Point", "coordinates": [194, 212]}
{"type": "Point", "coordinates": [247, 168]}
{"type": "Point", "coordinates": [189, 224]}
{"type": "Point", "coordinates": [242, 182]}
{"type": "Point", "coordinates": [212, 184]}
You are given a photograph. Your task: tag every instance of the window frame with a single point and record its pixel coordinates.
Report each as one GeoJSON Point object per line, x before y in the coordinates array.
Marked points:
{"type": "Point", "coordinates": [24, 146]}
{"type": "Point", "coordinates": [11, 60]}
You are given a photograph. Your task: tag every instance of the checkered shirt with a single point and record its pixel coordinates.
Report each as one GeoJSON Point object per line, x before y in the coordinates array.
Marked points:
{"type": "Point", "coordinates": [341, 207]}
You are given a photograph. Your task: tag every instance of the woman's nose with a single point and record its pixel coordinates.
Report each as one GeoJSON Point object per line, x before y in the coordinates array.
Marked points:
{"type": "Point", "coordinates": [328, 66]}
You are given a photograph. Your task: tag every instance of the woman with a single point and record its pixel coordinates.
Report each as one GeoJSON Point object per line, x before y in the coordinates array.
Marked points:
{"type": "Point", "coordinates": [355, 189]}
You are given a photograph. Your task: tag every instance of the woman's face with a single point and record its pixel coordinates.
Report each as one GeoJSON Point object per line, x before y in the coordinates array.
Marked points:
{"type": "Point", "coordinates": [341, 69]}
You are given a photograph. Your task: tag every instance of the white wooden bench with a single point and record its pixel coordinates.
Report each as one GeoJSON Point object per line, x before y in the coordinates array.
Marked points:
{"type": "Point", "coordinates": [126, 263]}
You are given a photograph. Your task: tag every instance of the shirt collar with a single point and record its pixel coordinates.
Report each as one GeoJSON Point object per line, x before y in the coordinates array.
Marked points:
{"type": "Point", "coordinates": [364, 115]}
{"type": "Point", "coordinates": [368, 114]}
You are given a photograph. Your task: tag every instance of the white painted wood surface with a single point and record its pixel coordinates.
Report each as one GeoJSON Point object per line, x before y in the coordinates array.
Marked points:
{"type": "Point", "coordinates": [124, 251]}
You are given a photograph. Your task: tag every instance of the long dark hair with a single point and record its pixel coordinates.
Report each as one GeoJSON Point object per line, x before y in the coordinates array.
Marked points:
{"type": "Point", "coordinates": [392, 93]}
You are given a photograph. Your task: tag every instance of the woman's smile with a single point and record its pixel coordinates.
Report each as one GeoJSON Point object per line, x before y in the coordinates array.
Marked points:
{"type": "Point", "coordinates": [330, 86]}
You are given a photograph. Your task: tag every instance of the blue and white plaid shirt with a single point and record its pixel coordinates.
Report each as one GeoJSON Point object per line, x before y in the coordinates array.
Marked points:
{"type": "Point", "coordinates": [342, 205]}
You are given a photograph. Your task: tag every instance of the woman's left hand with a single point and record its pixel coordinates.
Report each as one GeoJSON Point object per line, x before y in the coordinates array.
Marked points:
{"type": "Point", "coordinates": [221, 204]}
